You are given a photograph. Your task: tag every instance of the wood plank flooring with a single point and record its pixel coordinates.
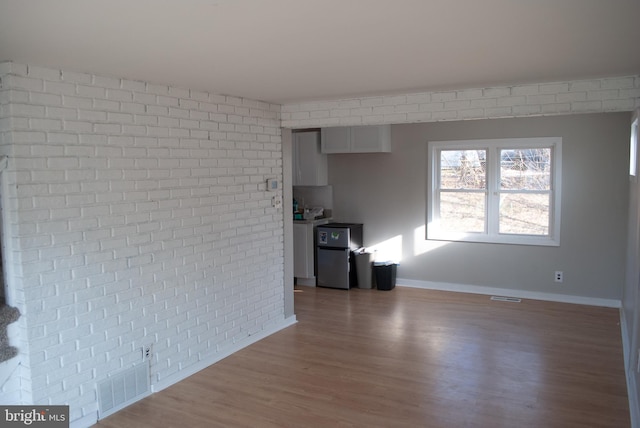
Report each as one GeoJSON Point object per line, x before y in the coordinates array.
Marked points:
{"type": "Point", "coordinates": [409, 358]}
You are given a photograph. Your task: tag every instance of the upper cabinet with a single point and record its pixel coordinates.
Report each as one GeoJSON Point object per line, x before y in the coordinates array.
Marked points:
{"type": "Point", "coordinates": [357, 139]}
{"type": "Point", "coordinates": [336, 140]}
{"type": "Point", "coordinates": [309, 164]}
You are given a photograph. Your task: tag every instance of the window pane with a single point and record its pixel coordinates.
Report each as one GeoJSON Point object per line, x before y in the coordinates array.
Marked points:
{"type": "Point", "coordinates": [462, 211]}
{"type": "Point", "coordinates": [524, 213]}
{"type": "Point", "coordinates": [525, 169]}
{"type": "Point", "coordinates": [463, 169]}
{"type": "Point", "coordinates": [633, 149]}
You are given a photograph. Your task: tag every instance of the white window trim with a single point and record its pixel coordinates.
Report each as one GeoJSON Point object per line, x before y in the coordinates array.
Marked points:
{"type": "Point", "coordinates": [633, 150]}
{"type": "Point", "coordinates": [493, 146]}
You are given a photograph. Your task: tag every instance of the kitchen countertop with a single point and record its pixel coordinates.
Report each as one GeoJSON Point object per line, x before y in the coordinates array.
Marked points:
{"type": "Point", "coordinates": [314, 221]}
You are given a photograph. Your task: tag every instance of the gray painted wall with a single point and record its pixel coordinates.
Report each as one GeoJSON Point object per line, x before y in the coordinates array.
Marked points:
{"type": "Point", "coordinates": [387, 193]}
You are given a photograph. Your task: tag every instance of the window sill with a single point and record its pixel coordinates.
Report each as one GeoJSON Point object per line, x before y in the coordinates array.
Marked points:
{"type": "Point", "coordinates": [543, 241]}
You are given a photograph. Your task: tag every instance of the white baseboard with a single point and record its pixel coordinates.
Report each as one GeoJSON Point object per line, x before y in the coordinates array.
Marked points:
{"type": "Point", "coordinates": [522, 294]}
{"type": "Point", "coordinates": [191, 370]}
{"type": "Point", "coordinates": [634, 407]}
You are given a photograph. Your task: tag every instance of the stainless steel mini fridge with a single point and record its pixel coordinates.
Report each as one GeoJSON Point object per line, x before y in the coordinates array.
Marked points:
{"type": "Point", "coordinates": [335, 260]}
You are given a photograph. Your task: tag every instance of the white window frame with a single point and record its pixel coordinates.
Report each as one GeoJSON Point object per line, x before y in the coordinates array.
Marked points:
{"type": "Point", "coordinates": [493, 147]}
{"type": "Point", "coordinates": [633, 150]}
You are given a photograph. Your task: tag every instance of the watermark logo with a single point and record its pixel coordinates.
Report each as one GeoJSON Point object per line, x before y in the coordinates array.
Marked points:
{"type": "Point", "coordinates": [34, 416]}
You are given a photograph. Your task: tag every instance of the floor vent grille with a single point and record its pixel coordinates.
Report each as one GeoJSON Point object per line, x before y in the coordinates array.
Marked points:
{"type": "Point", "coordinates": [124, 388]}
{"type": "Point", "coordinates": [506, 299]}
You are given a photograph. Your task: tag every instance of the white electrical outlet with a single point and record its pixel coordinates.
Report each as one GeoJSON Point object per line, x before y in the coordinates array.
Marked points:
{"type": "Point", "coordinates": [559, 276]}
{"type": "Point", "coordinates": [147, 353]}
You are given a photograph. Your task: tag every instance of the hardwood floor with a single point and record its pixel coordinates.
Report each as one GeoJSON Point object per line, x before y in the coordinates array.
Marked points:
{"type": "Point", "coordinates": [409, 358]}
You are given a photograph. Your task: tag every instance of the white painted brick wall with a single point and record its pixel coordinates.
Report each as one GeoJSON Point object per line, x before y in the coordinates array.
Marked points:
{"type": "Point", "coordinates": [574, 97]}
{"type": "Point", "coordinates": [138, 214]}
{"type": "Point", "coordinates": [10, 382]}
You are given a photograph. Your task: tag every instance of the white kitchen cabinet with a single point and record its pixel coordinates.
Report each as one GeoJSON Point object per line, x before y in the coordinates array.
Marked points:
{"type": "Point", "coordinates": [366, 139]}
{"type": "Point", "coordinates": [304, 250]}
{"type": "Point", "coordinates": [309, 164]}
{"type": "Point", "coordinates": [303, 260]}
{"type": "Point", "coordinates": [336, 140]}
{"type": "Point", "coordinates": [356, 139]}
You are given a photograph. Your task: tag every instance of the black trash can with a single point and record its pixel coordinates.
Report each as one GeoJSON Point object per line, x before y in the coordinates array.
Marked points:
{"type": "Point", "coordinates": [385, 275]}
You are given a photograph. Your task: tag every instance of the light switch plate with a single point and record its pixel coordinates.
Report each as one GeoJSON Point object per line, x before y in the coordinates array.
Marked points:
{"type": "Point", "coordinates": [273, 184]}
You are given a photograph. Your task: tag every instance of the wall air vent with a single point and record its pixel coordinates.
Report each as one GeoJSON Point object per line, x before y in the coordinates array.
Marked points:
{"type": "Point", "coordinates": [122, 389]}
{"type": "Point", "coordinates": [506, 299]}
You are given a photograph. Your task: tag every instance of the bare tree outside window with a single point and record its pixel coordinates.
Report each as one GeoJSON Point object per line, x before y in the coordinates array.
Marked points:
{"type": "Point", "coordinates": [525, 184]}
{"type": "Point", "coordinates": [495, 189]}
{"type": "Point", "coordinates": [463, 179]}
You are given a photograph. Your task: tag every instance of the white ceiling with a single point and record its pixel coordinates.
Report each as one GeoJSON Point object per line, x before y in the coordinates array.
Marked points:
{"type": "Point", "coordinates": [300, 50]}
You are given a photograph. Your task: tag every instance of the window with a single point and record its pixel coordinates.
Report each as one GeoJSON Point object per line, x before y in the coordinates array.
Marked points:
{"type": "Point", "coordinates": [633, 149]}
{"type": "Point", "coordinates": [500, 191]}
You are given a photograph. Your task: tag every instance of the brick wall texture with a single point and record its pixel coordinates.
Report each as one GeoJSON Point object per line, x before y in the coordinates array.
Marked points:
{"type": "Point", "coordinates": [544, 99]}
{"type": "Point", "coordinates": [135, 214]}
